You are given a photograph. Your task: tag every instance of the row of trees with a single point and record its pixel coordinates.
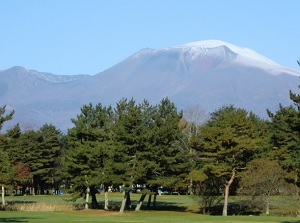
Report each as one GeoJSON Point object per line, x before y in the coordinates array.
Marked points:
{"type": "Point", "coordinates": [132, 144]}
{"type": "Point", "coordinates": [156, 146]}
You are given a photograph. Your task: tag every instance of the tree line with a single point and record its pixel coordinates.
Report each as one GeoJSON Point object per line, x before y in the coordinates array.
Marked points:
{"type": "Point", "coordinates": [140, 146]}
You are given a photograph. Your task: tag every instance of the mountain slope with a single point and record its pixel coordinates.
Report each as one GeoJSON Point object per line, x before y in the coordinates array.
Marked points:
{"type": "Point", "coordinates": [196, 74]}
{"type": "Point", "coordinates": [39, 98]}
{"type": "Point", "coordinates": [208, 74]}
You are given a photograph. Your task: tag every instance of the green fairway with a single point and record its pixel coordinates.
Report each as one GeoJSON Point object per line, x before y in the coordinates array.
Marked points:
{"type": "Point", "coordinates": [143, 216]}
{"type": "Point", "coordinates": [170, 208]}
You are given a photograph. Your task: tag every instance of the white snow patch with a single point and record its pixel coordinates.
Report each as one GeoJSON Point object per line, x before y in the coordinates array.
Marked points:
{"type": "Point", "coordinates": [241, 51]}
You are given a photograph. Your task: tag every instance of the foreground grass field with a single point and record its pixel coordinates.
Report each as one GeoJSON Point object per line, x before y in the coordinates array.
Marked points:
{"type": "Point", "coordinates": [170, 208]}
{"type": "Point", "coordinates": [134, 217]}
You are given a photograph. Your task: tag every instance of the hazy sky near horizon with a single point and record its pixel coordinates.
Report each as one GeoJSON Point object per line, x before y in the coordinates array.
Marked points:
{"type": "Point", "coordinates": [88, 36]}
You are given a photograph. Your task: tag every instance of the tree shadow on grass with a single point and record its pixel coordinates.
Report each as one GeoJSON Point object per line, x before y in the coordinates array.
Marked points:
{"type": "Point", "coordinates": [233, 209]}
{"type": "Point", "coordinates": [16, 219]}
{"type": "Point", "coordinates": [166, 206]}
{"type": "Point", "coordinates": [160, 206]}
{"type": "Point", "coordinates": [290, 222]}
{"type": "Point", "coordinates": [20, 202]}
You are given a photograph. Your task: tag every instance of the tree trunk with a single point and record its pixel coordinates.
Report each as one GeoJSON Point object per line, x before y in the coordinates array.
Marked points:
{"type": "Point", "coordinates": [93, 192]}
{"type": "Point", "coordinates": [128, 200]}
{"type": "Point", "coordinates": [33, 186]}
{"type": "Point", "coordinates": [3, 196]}
{"type": "Point", "coordinates": [154, 201]}
{"type": "Point", "coordinates": [42, 189]}
{"type": "Point", "coordinates": [139, 205]}
{"type": "Point", "coordinates": [106, 200]}
{"type": "Point", "coordinates": [226, 192]}
{"type": "Point", "coordinates": [125, 200]}
{"type": "Point", "coordinates": [191, 187]}
{"type": "Point", "coordinates": [297, 189]}
{"type": "Point", "coordinates": [267, 204]}
{"type": "Point", "coordinates": [87, 197]}
{"type": "Point", "coordinates": [149, 201]}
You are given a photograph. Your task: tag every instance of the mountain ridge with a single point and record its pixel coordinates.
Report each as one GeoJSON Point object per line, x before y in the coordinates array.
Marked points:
{"type": "Point", "coordinates": [209, 78]}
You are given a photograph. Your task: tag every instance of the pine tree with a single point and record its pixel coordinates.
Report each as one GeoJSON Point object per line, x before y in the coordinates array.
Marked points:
{"type": "Point", "coordinates": [29, 154]}
{"type": "Point", "coordinates": [167, 150]}
{"type": "Point", "coordinates": [228, 141]}
{"type": "Point", "coordinates": [285, 126]}
{"type": "Point", "coordinates": [15, 151]}
{"type": "Point", "coordinates": [51, 147]}
{"type": "Point", "coordinates": [3, 117]}
{"type": "Point", "coordinates": [7, 172]}
{"type": "Point", "coordinates": [6, 169]}
{"type": "Point", "coordinates": [131, 147]}
{"type": "Point", "coordinates": [148, 151]}
{"type": "Point", "coordinates": [88, 157]}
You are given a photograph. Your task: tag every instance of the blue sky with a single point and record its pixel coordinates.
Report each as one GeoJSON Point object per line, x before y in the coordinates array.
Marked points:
{"type": "Point", "coordinates": [88, 36]}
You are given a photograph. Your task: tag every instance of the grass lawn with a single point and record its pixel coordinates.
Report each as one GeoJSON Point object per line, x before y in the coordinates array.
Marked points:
{"type": "Point", "coordinates": [92, 216]}
{"type": "Point", "coordinates": [170, 209]}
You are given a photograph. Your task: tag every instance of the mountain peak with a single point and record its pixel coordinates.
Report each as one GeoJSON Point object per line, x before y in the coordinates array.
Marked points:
{"type": "Point", "coordinates": [208, 73]}
{"type": "Point", "coordinates": [17, 69]}
{"type": "Point", "coordinates": [243, 53]}
{"type": "Point", "coordinates": [207, 44]}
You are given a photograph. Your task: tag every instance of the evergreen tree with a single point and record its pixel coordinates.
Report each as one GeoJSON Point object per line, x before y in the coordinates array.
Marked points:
{"type": "Point", "coordinates": [5, 117]}
{"type": "Point", "coordinates": [6, 170]}
{"type": "Point", "coordinates": [40, 152]}
{"type": "Point", "coordinates": [148, 151]}
{"type": "Point", "coordinates": [14, 149]}
{"type": "Point", "coordinates": [285, 127]}
{"type": "Point", "coordinates": [134, 144]}
{"type": "Point", "coordinates": [228, 141]}
{"type": "Point", "coordinates": [88, 157]}
{"type": "Point", "coordinates": [168, 153]}
{"type": "Point", "coordinates": [28, 153]}
{"type": "Point", "coordinates": [130, 163]}
{"type": "Point", "coordinates": [51, 147]}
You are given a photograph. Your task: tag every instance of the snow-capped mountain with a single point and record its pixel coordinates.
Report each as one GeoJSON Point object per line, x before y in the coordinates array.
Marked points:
{"type": "Point", "coordinates": [207, 74]}
{"type": "Point", "coordinates": [242, 54]}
